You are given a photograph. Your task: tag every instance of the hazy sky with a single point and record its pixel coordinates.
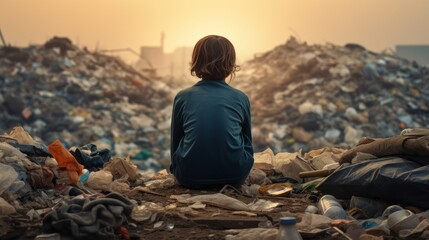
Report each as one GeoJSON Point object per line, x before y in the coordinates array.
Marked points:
{"type": "Point", "coordinates": [253, 26]}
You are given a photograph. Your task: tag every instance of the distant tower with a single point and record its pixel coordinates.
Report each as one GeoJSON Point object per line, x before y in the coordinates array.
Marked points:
{"type": "Point", "coordinates": [154, 58]}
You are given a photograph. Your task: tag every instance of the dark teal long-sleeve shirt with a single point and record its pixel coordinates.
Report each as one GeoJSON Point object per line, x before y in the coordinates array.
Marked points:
{"type": "Point", "coordinates": [211, 139]}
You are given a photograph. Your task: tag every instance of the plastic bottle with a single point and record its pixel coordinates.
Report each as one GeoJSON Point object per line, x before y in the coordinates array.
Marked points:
{"type": "Point", "coordinates": [330, 207]}
{"type": "Point", "coordinates": [85, 175]}
{"type": "Point", "coordinates": [288, 229]}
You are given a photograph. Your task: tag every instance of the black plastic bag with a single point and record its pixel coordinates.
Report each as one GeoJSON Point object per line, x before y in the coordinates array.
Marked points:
{"type": "Point", "coordinates": [391, 179]}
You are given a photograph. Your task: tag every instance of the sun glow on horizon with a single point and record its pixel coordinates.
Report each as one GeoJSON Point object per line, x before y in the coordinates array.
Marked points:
{"type": "Point", "coordinates": [252, 26]}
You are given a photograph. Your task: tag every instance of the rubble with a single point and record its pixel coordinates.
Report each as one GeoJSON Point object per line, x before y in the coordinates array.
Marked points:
{"type": "Point", "coordinates": [312, 96]}
{"type": "Point", "coordinates": [115, 201]}
{"type": "Point", "coordinates": [59, 91]}
{"type": "Point", "coordinates": [69, 171]}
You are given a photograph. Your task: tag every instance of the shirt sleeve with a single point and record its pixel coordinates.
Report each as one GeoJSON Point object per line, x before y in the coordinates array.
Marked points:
{"type": "Point", "coordinates": [247, 128]}
{"type": "Point", "coordinates": [177, 132]}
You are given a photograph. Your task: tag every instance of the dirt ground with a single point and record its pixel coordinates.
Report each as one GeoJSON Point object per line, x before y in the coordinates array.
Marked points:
{"type": "Point", "coordinates": [208, 223]}
{"type": "Point", "coordinates": [211, 222]}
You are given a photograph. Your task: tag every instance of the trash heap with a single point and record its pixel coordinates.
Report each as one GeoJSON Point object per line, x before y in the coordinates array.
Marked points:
{"type": "Point", "coordinates": [83, 192]}
{"type": "Point", "coordinates": [78, 183]}
{"type": "Point", "coordinates": [59, 91]}
{"type": "Point", "coordinates": [312, 96]}
{"type": "Point", "coordinates": [375, 190]}
{"type": "Point", "coordinates": [79, 192]}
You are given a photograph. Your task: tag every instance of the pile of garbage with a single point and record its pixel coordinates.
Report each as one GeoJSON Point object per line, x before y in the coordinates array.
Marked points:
{"type": "Point", "coordinates": [78, 192]}
{"type": "Point", "coordinates": [334, 193]}
{"type": "Point", "coordinates": [376, 189]}
{"type": "Point", "coordinates": [67, 169]}
{"type": "Point", "coordinates": [59, 91]}
{"type": "Point", "coordinates": [312, 96]}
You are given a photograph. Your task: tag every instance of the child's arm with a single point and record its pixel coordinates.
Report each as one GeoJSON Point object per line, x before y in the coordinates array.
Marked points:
{"type": "Point", "coordinates": [176, 128]}
{"type": "Point", "coordinates": [247, 129]}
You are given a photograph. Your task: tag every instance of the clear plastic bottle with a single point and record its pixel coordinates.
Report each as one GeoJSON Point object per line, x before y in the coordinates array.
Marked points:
{"type": "Point", "coordinates": [330, 207]}
{"type": "Point", "coordinates": [288, 229]}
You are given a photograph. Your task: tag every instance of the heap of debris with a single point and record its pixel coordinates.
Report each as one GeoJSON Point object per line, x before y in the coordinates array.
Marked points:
{"type": "Point", "coordinates": [58, 91]}
{"type": "Point", "coordinates": [311, 96]}
{"type": "Point", "coordinates": [83, 193]}
{"type": "Point", "coordinates": [73, 97]}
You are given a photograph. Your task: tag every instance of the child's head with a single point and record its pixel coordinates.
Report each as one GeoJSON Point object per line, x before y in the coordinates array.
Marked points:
{"type": "Point", "coordinates": [213, 58]}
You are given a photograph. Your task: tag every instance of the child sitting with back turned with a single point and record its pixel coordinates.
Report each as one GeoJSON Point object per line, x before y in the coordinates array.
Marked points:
{"type": "Point", "coordinates": [211, 140]}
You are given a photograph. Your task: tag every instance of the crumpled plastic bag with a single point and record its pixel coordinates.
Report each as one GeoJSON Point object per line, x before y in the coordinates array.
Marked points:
{"type": "Point", "coordinates": [100, 180]}
{"type": "Point", "coordinates": [119, 167]}
{"type": "Point", "coordinates": [6, 208]}
{"type": "Point", "coordinates": [257, 176]}
{"type": "Point", "coordinates": [8, 176]}
{"type": "Point", "coordinates": [9, 154]}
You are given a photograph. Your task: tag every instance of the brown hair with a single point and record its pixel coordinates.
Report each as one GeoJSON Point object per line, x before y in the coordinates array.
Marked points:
{"type": "Point", "coordinates": [213, 58]}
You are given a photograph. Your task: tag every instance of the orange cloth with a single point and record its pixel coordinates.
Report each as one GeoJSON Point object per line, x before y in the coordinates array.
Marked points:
{"type": "Point", "coordinates": [66, 160]}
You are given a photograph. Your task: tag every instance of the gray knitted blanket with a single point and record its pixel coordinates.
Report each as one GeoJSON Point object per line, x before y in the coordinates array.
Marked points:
{"type": "Point", "coordinates": [96, 218]}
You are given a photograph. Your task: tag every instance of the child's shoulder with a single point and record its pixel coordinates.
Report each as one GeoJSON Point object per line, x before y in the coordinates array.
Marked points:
{"type": "Point", "coordinates": [186, 91]}
{"type": "Point", "coordinates": [239, 92]}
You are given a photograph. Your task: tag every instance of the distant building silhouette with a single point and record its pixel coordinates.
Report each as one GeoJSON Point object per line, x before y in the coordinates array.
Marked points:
{"type": "Point", "coordinates": [174, 65]}
{"type": "Point", "coordinates": [418, 53]}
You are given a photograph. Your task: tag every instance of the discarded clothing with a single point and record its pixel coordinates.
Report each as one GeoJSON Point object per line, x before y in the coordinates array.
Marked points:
{"type": "Point", "coordinates": [32, 150]}
{"type": "Point", "coordinates": [89, 217]}
{"type": "Point", "coordinates": [411, 144]}
{"type": "Point", "coordinates": [95, 160]}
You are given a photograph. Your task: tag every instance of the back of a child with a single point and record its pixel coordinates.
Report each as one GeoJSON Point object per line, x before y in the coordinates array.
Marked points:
{"type": "Point", "coordinates": [211, 140]}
